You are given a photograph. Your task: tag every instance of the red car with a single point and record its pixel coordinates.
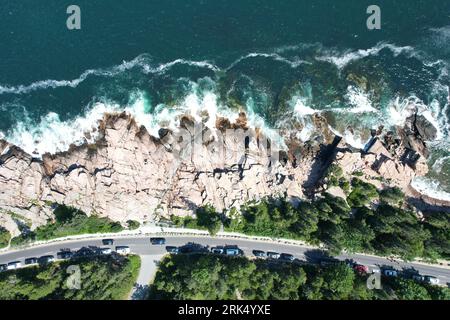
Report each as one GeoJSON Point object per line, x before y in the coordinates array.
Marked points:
{"type": "Point", "coordinates": [361, 268]}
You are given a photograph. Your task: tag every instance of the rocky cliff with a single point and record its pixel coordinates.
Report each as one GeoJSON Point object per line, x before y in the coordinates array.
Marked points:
{"type": "Point", "coordinates": [129, 174]}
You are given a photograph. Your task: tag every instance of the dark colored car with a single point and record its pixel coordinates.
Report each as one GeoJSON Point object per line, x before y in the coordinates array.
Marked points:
{"type": "Point", "coordinates": [287, 257]}
{"type": "Point", "coordinates": [172, 249]}
{"type": "Point", "coordinates": [259, 253]}
{"type": "Point", "coordinates": [86, 252]}
{"type": "Point", "coordinates": [3, 267]}
{"type": "Point", "coordinates": [29, 261]}
{"type": "Point", "coordinates": [64, 255]}
{"type": "Point", "coordinates": [108, 242]}
{"type": "Point", "coordinates": [158, 241]}
{"type": "Point", "coordinates": [192, 247]}
{"type": "Point", "coordinates": [46, 259]}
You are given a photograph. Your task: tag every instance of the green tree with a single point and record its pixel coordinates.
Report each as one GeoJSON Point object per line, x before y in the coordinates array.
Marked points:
{"type": "Point", "coordinates": [5, 236]}
{"type": "Point", "coordinates": [208, 218]}
{"type": "Point", "coordinates": [362, 193]}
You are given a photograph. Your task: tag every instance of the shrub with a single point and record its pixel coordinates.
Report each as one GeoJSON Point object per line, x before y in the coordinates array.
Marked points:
{"type": "Point", "coordinates": [362, 193]}
{"type": "Point", "coordinates": [5, 236]}
{"type": "Point", "coordinates": [392, 196]}
{"type": "Point", "coordinates": [68, 222]}
{"type": "Point", "coordinates": [133, 224]}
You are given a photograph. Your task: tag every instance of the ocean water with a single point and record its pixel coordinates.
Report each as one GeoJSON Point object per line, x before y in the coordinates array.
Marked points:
{"type": "Point", "coordinates": [281, 61]}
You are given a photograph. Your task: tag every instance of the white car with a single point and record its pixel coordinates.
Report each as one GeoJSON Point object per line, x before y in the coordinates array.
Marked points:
{"type": "Point", "coordinates": [106, 251]}
{"type": "Point", "coordinates": [431, 280]}
{"type": "Point", "coordinates": [124, 250]}
{"type": "Point", "coordinates": [14, 265]}
{"type": "Point", "coordinates": [376, 270]}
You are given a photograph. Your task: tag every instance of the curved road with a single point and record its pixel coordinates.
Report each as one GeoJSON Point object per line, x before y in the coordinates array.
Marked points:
{"type": "Point", "coordinates": [141, 245]}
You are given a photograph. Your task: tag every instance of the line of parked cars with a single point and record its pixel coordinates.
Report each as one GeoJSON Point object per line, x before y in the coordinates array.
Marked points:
{"type": "Point", "coordinates": [273, 255]}
{"type": "Point", "coordinates": [393, 273]}
{"type": "Point", "coordinates": [67, 254]}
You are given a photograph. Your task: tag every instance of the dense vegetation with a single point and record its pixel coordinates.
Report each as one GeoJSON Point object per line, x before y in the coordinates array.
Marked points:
{"type": "Point", "coordinates": [352, 224]}
{"type": "Point", "coordinates": [5, 236]}
{"type": "Point", "coordinates": [206, 219]}
{"type": "Point", "coordinates": [68, 221]}
{"type": "Point", "coordinates": [102, 278]}
{"type": "Point", "coordinates": [213, 277]}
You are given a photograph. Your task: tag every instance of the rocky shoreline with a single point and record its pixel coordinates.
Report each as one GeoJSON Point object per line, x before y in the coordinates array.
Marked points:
{"type": "Point", "coordinates": [130, 175]}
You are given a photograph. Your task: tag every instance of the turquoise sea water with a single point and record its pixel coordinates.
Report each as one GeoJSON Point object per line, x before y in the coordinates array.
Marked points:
{"type": "Point", "coordinates": [280, 60]}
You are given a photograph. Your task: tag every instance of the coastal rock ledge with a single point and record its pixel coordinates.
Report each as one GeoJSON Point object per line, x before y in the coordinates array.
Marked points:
{"type": "Point", "coordinates": [130, 175]}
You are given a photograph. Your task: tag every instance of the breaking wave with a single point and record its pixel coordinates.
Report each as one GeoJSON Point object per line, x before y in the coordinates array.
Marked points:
{"type": "Point", "coordinates": [354, 110]}
{"type": "Point", "coordinates": [341, 60]}
{"type": "Point", "coordinates": [430, 188]}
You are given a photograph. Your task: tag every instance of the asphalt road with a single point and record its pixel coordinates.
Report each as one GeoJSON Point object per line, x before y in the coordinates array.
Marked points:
{"type": "Point", "coordinates": [141, 245]}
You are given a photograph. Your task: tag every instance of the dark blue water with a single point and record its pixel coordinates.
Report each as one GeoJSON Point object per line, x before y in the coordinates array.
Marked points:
{"type": "Point", "coordinates": [279, 60]}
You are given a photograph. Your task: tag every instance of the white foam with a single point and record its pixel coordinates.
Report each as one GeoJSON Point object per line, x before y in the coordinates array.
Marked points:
{"type": "Point", "coordinates": [142, 61]}
{"type": "Point", "coordinates": [275, 56]}
{"type": "Point", "coordinates": [53, 135]}
{"type": "Point", "coordinates": [306, 133]}
{"type": "Point", "coordinates": [439, 164]}
{"type": "Point", "coordinates": [350, 138]}
{"type": "Point", "coordinates": [302, 110]}
{"type": "Point", "coordinates": [430, 188]}
{"type": "Point", "coordinates": [343, 59]}
{"type": "Point", "coordinates": [359, 100]}
{"type": "Point", "coordinates": [164, 67]}
{"type": "Point", "coordinates": [400, 110]}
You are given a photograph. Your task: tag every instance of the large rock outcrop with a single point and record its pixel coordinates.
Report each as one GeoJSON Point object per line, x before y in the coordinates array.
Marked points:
{"type": "Point", "coordinates": [128, 174]}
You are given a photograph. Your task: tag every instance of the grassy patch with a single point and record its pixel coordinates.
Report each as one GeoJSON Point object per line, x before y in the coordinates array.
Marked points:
{"type": "Point", "coordinates": [68, 222]}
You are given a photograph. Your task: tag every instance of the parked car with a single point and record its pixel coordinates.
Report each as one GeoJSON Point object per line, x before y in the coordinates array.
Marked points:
{"type": "Point", "coordinates": [361, 268]}
{"type": "Point", "coordinates": [64, 255]}
{"type": "Point", "coordinates": [46, 259]}
{"type": "Point", "coordinates": [85, 252]}
{"type": "Point", "coordinates": [172, 249]}
{"type": "Point", "coordinates": [259, 253]}
{"type": "Point", "coordinates": [273, 255]}
{"type": "Point", "coordinates": [418, 277]}
{"type": "Point", "coordinates": [350, 263]}
{"type": "Point", "coordinates": [124, 250]}
{"type": "Point", "coordinates": [217, 250]}
{"type": "Point", "coordinates": [3, 267]}
{"type": "Point", "coordinates": [390, 273]}
{"type": "Point", "coordinates": [233, 251]}
{"type": "Point", "coordinates": [108, 242]}
{"type": "Point", "coordinates": [376, 270]}
{"type": "Point", "coordinates": [158, 241]}
{"type": "Point", "coordinates": [431, 280]}
{"type": "Point", "coordinates": [287, 257]}
{"type": "Point", "coordinates": [105, 251]}
{"type": "Point", "coordinates": [14, 265]}
{"type": "Point", "coordinates": [29, 261]}
{"type": "Point", "coordinates": [193, 247]}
